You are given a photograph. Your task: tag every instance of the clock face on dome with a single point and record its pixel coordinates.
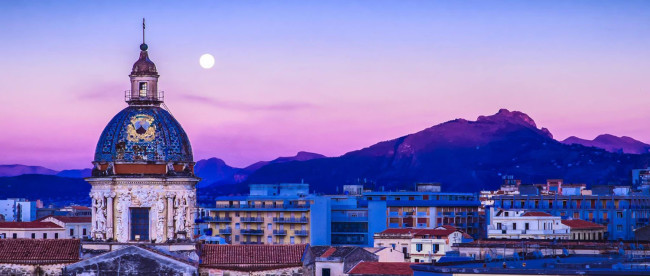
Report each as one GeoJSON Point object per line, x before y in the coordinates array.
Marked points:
{"type": "Point", "coordinates": [141, 128]}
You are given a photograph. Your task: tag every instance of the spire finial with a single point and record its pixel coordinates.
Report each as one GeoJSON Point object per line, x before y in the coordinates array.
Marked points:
{"type": "Point", "coordinates": [143, 46]}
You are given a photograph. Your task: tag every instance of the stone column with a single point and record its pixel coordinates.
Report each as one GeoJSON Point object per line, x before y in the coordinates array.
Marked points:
{"type": "Point", "coordinates": [109, 215]}
{"type": "Point", "coordinates": [93, 225]}
{"type": "Point", "coordinates": [170, 216]}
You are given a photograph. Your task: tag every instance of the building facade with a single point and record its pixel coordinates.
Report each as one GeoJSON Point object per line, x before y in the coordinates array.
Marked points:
{"type": "Point", "coordinates": [31, 230]}
{"type": "Point", "coordinates": [617, 208]}
{"type": "Point", "coordinates": [143, 182]}
{"type": "Point", "coordinates": [18, 209]}
{"type": "Point", "coordinates": [271, 214]}
{"type": "Point", "coordinates": [75, 227]}
{"type": "Point", "coordinates": [521, 224]}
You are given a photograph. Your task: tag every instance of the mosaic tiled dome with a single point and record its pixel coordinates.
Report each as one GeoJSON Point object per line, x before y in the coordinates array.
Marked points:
{"type": "Point", "coordinates": [143, 134]}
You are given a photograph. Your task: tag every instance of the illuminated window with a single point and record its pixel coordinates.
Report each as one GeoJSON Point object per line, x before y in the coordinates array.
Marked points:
{"type": "Point", "coordinates": [143, 89]}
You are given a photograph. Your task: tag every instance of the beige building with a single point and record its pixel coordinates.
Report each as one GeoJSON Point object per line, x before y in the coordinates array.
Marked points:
{"type": "Point", "coordinates": [585, 230]}
{"type": "Point", "coordinates": [31, 230]}
{"type": "Point", "coordinates": [272, 214]}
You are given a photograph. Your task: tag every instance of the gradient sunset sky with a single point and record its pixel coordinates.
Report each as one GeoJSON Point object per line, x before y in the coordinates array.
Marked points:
{"type": "Point", "coordinates": [320, 76]}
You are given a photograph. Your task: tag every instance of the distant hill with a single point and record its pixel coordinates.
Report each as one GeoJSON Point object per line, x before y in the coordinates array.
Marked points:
{"type": "Point", "coordinates": [612, 143]}
{"type": "Point", "coordinates": [16, 169]}
{"type": "Point", "coordinates": [465, 156]}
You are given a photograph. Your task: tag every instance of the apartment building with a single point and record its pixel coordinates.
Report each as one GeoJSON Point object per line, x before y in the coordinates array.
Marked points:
{"type": "Point", "coordinates": [424, 208]}
{"type": "Point", "coordinates": [619, 208]}
{"type": "Point", "coordinates": [271, 214]}
{"type": "Point", "coordinates": [421, 245]}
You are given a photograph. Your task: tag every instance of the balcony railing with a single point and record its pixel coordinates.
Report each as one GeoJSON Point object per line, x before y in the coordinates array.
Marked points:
{"type": "Point", "coordinates": [290, 220]}
{"type": "Point", "coordinates": [129, 97]}
{"type": "Point", "coordinates": [252, 232]}
{"type": "Point", "coordinates": [266, 206]}
{"type": "Point", "coordinates": [252, 219]}
{"type": "Point", "coordinates": [301, 233]}
{"type": "Point", "coordinates": [217, 219]}
{"type": "Point", "coordinates": [226, 231]}
{"type": "Point", "coordinates": [280, 232]}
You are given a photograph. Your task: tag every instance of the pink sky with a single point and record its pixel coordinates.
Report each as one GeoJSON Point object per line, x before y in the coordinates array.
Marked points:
{"type": "Point", "coordinates": [326, 78]}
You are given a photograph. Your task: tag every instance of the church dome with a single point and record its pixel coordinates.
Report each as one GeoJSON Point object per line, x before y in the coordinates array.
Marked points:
{"type": "Point", "coordinates": [144, 66]}
{"type": "Point", "coordinates": [143, 134]}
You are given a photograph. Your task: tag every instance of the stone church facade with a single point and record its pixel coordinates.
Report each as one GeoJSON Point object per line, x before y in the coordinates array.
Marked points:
{"type": "Point", "coordinates": [143, 182]}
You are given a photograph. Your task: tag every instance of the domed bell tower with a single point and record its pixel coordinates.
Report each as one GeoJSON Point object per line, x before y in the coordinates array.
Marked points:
{"type": "Point", "coordinates": [143, 182]}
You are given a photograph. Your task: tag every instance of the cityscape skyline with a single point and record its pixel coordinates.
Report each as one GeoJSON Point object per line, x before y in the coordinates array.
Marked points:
{"type": "Point", "coordinates": [322, 77]}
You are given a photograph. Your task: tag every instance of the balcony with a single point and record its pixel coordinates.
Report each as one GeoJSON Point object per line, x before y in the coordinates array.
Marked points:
{"type": "Point", "coordinates": [393, 214]}
{"type": "Point", "coordinates": [408, 214]}
{"type": "Point", "coordinates": [226, 231]}
{"type": "Point", "coordinates": [301, 233]}
{"type": "Point", "coordinates": [346, 218]}
{"type": "Point", "coordinates": [279, 232]}
{"type": "Point", "coordinates": [290, 220]}
{"type": "Point", "coordinates": [217, 219]}
{"type": "Point", "coordinates": [422, 214]}
{"type": "Point", "coordinates": [252, 232]}
{"type": "Point", "coordinates": [251, 219]}
{"type": "Point", "coordinates": [129, 97]}
{"type": "Point", "coordinates": [266, 206]}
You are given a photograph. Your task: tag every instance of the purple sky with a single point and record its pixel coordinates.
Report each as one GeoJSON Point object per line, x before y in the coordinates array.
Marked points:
{"type": "Point", "coordinates": [326, 77]}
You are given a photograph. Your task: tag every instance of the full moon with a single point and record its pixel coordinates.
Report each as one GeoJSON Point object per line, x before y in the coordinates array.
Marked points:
{"type": "Point", "coordinates": [206, 61]}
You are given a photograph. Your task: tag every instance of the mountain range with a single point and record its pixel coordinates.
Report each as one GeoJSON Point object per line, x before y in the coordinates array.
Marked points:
{"type": "Point", "coordinates": [611, 143]}
{"type": "Point", "coordinates": [464, 155]}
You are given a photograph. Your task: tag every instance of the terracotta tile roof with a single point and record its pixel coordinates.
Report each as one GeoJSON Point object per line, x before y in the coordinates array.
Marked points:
{"type": "Point", "coordinates": [80, 208]}
{"type": "Point", "coordinates": [536, 214]}
{"type": "Point", "coordinates": [579, 224]}
{"type": "Point", "coordinates": [33, 251]}
{"type": "Point", "coordinates": [66, 219]}
{"type": "Point", "coordinates": [31, 224]}
{"type": "Point", "coordinates": [252, 257]}
{"type": "Point", "coordinates": [442, 231]}
{"type": "Point", "coordinates": [372, 268]}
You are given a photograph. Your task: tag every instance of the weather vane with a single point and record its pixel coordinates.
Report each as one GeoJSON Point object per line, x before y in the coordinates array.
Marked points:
{"type": "Point", "coordinates": [143, 46]}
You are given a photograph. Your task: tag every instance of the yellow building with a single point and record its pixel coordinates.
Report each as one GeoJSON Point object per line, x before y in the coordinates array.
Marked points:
{"type": "Point", "coordinates": [271, 214]}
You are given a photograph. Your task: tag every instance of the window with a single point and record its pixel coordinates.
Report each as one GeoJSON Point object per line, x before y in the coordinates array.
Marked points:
{"type": "Point", "coordinates": [576, 215]}
{"type": "Point", "coordinates": [418, 247]}
{"type": "Point", "coordinates": [619, 227]}
{"type": "Point", "coordinates": [14, 235]}
{"type": "Point", "coordinates": [236, 225]}
{"type": "Point", "coordinates": [56, 236]}
{"type": "Point", "coordinates": [292, 240]}
{"type": "Point", "coordinates": [269, 240]}
{"type": "Point", "coordinates": [619, 214]}
{"type": "Point", "coordinates": [71, 232]}
{"type": "Point", "coordinates": [514, 226]}
{"type": "Point", "coordinates": [237, 238]}
{"type": "Point", "coordinates": [498, 225]}
{"type": "Point", "coordinates": [139, 224]}
{"type": "Point", "coordinates": [269, 227]}
{"type": "Point", "coordinates": [527, 226]}
{"type": "Point", "coordinates": [325, 272]}
{"type": "Point", "coordinates": [84, 231]}
{"type": "Point", "coordinates": [392, 245]}
{"type": "Point", "coordinates": [44, 236]}
{"type": "Point", "coordinates": [143, 89]}
{"type": "Point", "coordinates": [33, 235]}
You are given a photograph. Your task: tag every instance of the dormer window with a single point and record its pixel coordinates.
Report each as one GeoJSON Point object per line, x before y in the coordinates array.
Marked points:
{"type": "Point", "coordinates": [143, 89]}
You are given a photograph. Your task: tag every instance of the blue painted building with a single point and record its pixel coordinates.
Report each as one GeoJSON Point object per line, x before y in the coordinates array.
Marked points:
{"type": "Point", "coordinates": [620, 210]}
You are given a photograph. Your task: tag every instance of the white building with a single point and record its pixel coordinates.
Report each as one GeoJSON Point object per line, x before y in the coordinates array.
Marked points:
{"type": "Point", "coordinates": [521, 224]}
{"type": "Point", "coordinates": [18, 209]}
{"type": "Point", "coordinates": [31, 230]}
{"type": "Point", "coordinates": [421, 245]}
{"type": "Point", "coordinates": [75, 227]}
